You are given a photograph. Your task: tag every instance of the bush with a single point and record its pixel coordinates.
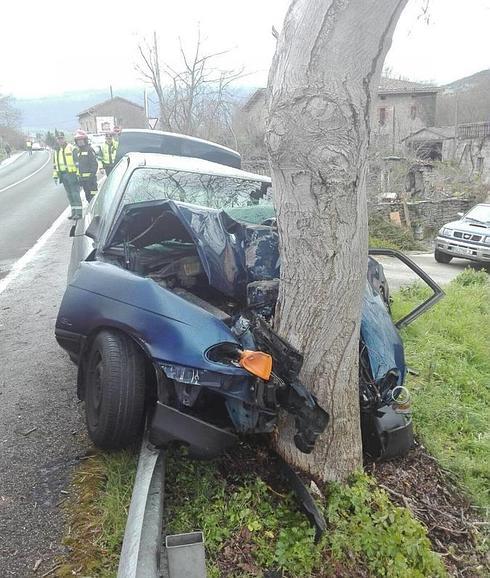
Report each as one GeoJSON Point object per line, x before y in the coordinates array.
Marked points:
{"type": "Point", "coordinates": [383, 234]}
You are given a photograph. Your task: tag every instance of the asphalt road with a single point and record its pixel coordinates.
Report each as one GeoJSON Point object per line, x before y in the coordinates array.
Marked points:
{"type": "Point", "coordinates": [29, 203]}
{"type": "Point", "coordinates": [399, 274]}
{"type": "Point", "coordinates": [41, 430]}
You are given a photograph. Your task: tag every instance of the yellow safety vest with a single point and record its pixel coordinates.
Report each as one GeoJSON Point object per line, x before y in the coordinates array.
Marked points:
{"type": "Point", "coordinates": [63, 160]}
{"type": "Point", "coordinates": [109, 152]}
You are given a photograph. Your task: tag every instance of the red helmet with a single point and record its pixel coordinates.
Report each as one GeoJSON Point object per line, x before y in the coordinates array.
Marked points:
{"type": "Point", "coordinates": [81, 134]}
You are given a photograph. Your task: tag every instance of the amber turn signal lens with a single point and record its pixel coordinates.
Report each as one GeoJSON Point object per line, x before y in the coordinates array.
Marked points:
{"type": "Point", "coordinates": [257, 362]}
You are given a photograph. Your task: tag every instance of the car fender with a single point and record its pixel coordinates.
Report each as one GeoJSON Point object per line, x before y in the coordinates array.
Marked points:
{"type": "Point", "coordinates": [169, 328]}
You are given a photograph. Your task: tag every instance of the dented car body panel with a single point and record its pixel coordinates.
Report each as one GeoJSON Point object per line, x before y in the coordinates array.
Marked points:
{"type": "Point", "coordinates": [194, 287]}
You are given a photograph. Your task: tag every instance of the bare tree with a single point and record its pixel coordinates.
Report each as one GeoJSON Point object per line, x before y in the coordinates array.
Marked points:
{"type": "Point", "coordinates": [194, 99]}
{"type": "Point", "coordinates": [322, 83]}
{"type": "Point", "coordinates": [10, 116]}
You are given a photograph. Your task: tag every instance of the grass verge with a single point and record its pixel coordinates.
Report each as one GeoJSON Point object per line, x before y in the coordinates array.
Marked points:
{"type": "Point", "coordinates": [450, 347]}
{"type": "Point", "coordinates": [252, 524]}
{"type": "Point", "coordinates": [97, 512]}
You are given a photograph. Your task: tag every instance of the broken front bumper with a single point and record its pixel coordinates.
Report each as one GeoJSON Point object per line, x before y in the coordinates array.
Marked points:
{"type": "Point", "coordinates": [204, 439]}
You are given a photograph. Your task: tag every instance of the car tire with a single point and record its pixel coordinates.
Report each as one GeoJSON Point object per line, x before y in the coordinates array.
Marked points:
{"type": "Point", "coordinates": [442, 257]}
{"type": "Point", "coordinates": [114, 391]}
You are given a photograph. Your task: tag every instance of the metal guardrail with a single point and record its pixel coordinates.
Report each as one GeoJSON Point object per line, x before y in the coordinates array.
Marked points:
{"type": "Point", "coordinates": [143, 554]}
{"type": "Point", "coordinates": [141, 549]}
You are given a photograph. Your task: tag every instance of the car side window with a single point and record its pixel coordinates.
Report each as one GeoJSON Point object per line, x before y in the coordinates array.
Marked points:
{"type": "Point", "coordinates": [103, 200]}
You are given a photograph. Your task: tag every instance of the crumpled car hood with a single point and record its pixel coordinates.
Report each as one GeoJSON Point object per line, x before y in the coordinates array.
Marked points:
{"type": "Point", "coordinates": [232, 253]}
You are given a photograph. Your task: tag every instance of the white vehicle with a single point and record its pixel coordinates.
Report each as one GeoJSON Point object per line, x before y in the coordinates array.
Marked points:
{"type": "Point", "coordinates": [96, 141]}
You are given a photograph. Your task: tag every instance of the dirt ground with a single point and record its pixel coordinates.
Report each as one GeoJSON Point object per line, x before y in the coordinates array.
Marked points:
{"type": "Point", "coordinates": [420, 484]}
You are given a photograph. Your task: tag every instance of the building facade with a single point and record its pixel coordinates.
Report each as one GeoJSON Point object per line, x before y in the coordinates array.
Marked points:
{"type": "Point", "coordinates": [116, 111]}
{"type": "Point", "coordinates": [401, 108]}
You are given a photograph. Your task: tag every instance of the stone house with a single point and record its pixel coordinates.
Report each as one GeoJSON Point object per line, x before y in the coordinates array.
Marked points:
{"type": "Point", "coordinates": [401, 108]}
{"type": "Point", "coordinates": [123, 112]}
{"type": "Point", "coordinates": [466, 145]}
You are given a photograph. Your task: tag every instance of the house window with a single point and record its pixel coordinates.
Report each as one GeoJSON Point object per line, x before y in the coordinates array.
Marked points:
{"type": "Point", "coordinates": [382, 116]}
{"type": "Point", "coordinates": [413, 112]}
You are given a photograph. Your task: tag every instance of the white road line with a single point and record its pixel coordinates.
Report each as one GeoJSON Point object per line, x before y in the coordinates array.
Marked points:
{"type": "Point", "coordinates": [28, 176]}
{"type": "Point", "coordinates": [11, 159]}
{"type": "Point", "coordinates": [20, 264]}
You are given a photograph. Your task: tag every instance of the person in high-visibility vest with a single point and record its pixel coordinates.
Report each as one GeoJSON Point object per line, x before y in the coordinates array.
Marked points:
{"type": "Point", "coordinates": [29, 146]}
{"type": "Point", "coordinates": [65, 160]}
{"type": "Point", "coordinates": [87, 165]}
{"type": "Point", "coordinates": [108, 153]}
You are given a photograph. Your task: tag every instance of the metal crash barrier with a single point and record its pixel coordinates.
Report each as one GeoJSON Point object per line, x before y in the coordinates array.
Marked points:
{"type": "Point", "coordinates": [143, 554]}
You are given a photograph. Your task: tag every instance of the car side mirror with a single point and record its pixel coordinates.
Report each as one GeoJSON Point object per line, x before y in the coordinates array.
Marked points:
{"type": "Point", "coordinates": [72, 230]}
{"type": "Point", "coordinates": [460, 214]}
{"type": "Point", "coordinates": [93, 229]}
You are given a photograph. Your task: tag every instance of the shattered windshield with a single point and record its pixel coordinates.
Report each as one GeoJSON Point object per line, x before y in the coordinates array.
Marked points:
{"type": "Point", "coordinates": [214, 191]}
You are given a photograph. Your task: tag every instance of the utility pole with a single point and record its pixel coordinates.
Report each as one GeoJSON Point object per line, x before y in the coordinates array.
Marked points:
{"type": "Point", "coordinates": [456, 123]}
{"type": "Point", "coordinates": [393, 132]}
{"type": "Point", "coordinates": [145, 99]}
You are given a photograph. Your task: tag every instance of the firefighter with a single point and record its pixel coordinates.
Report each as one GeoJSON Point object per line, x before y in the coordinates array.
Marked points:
{"type": "Point", "coordinates": [65, 160]}
{"type": "Point", "coordinates": [108, 152]}
{"type": "Point", "coordinates": [87, 165]}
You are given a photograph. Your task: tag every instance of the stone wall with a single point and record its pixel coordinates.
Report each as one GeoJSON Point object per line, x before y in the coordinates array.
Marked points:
{"type": "Point", "coordinates": [430, 215]}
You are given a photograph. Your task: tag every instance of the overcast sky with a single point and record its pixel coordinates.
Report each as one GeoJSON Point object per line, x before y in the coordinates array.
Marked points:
{"type": "Point", "coordinates": [58, 46]}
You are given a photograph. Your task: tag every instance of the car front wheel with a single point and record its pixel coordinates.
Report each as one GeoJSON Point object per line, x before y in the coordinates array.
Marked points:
{"type": "Point", "coordinates": [114, 391]}
{"type": "Point", "coordinates": [442, 257]}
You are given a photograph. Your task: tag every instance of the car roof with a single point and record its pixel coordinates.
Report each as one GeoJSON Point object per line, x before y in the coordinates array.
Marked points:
{"type": "Point", "coordinates": [178, 136]}
{"type": "Point", "coordinates": [191, 165]}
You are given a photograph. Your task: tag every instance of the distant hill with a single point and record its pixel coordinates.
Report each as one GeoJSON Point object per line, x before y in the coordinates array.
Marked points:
{"type": "Point", "coordinates": [60, 111]}
{"type": "Point", "coordinates": [470, 95]}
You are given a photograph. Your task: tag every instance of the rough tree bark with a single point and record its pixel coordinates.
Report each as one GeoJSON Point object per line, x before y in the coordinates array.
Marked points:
{"type": "Point", "coordinates": [323, 78]}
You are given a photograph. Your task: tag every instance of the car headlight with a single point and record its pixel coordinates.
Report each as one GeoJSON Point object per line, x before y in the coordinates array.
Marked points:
{"type": "Point", "coordinates": [195, 376]}
{"type": "Point", "coordinates": [487, 240]}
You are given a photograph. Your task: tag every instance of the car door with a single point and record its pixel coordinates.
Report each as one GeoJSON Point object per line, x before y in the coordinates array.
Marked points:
{"type": "Point", "coordinates": [86, 230]}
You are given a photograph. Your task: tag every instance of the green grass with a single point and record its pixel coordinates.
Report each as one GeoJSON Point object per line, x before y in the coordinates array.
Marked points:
{"type": "Point", "coordinates": [97, 511]}
{"type": "Point", "coordinates": [450, 347]}
{"type": "Point", "coordinates": [245, 521]}
{"type": "Point", "coordinates": [248, 526]}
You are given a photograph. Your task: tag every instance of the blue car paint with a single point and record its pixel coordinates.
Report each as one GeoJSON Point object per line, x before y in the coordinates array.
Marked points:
{"type": "Point", "coordinates": [234, 254]}
{"type": "Point", "coordinates": [381, 338]}
{"type": "Point", "coordinates": [171, 329]}
{"type": "Point", "coordinates": [174, 331]}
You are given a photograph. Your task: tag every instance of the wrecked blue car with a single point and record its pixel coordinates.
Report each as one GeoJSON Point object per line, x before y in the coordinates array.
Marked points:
{"type": "Point", "coordinates": [172, 287]}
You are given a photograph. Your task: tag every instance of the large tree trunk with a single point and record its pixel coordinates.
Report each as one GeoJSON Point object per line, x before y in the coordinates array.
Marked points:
{"type": "Point", "coordinates": [323, 79]}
